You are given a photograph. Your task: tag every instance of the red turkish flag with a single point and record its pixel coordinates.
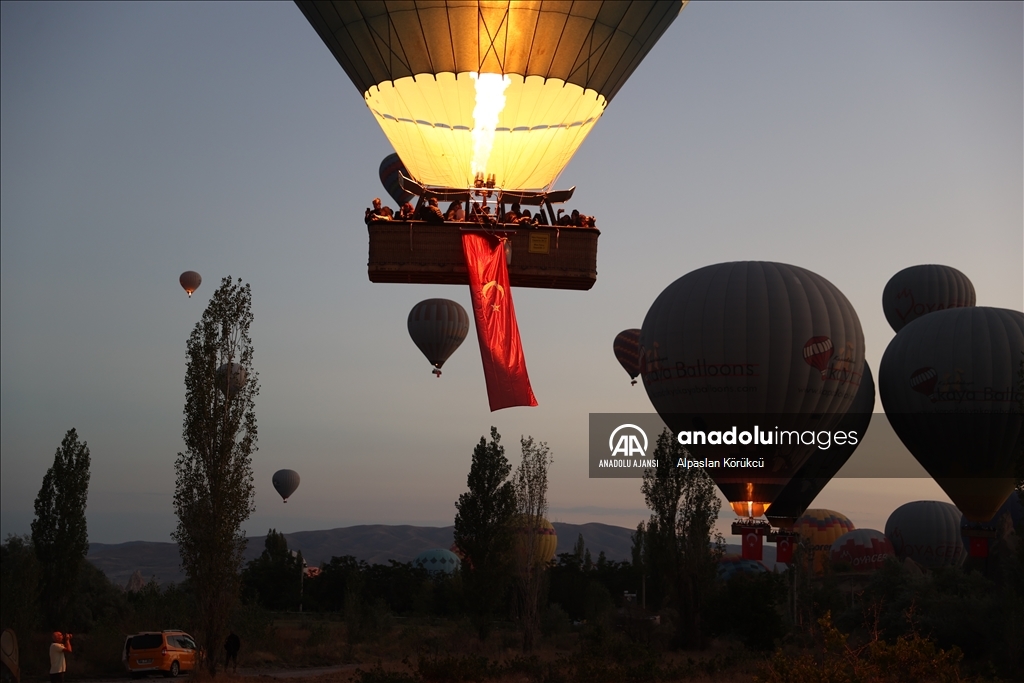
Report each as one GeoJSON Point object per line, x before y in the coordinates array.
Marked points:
{"type": "Point", "coordinates": [979, 547]}
{"type": "Point", "coordinates": [784, 550]}
{"type": "Point", "coordinates": [751, 545]}
{"type": "Point", "coordinates": [501, 350]}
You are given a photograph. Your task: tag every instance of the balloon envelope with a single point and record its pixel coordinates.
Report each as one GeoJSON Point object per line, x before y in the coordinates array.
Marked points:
{"type": "Point", "coordinates": [285, 482]}
{"type": "Point", "coordinates": [822, 465]}
{"type": "Point", "coordinates": [732, 564]}
{"type": "Point", "coordinates": [924, 289]}
{"type": "Point", "coordinates": [739, 344]}
{"type": "Point", "coordinates": [539, 537]}
{"type": "Point", "coordinates": [862, 550]}
{"type": "Point", "coordinates": [389, 171]}
{"type": "Point", "coordinates": [190, 281]}
{"type": "Point", "coordinates": [948, 383]}
{"type": "Point", "coordinates": [231, 378]}
{"type": "Point", "coordinates": [438, 327]}
{"type": "Point", "coordinates": [928, 532]}
{"type": "Point", "coordinates": [627, 351]}
{"type": "Point", "coordinates": [438, 561]}
{"type": "Point", "coordinates": [821, 528]}
{"type": "Point", "coordinates": [509, 89]}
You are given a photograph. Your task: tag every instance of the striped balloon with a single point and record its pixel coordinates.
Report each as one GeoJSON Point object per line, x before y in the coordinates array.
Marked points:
{"type": "Point", "coordinates": [540, 537]}
{"type": "Point", "coordinates": [190, 281]}
{"type": "Point", "coordinates": [924, 289]}
{"type": "Point", "coordinates": [438, 327]}
{"type": "Point", "coordinates": [285, 482]}
{"type": "Point", "coordinates": [863, 550]}
{"type": "Point", "coordinates": [389, 169]}
{"type": "Point", "coordinates": [627, 351]}
{"type": "Point", "coordinates": [928, 532]}
{"type": "Point", "coordinates": [821, 528]}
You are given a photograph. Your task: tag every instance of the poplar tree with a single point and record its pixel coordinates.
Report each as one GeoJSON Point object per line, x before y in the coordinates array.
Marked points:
{"type": "Point", "coordinates": [59, 534]}
{"type": "Point", "coordinates": [531, 488]}
{"type": "Point", "coordinates": [213, 492]}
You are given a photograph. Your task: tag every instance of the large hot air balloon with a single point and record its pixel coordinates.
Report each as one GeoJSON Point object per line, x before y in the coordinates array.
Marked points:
{"type": "Point", "coordinates": [438, 327]}
{"type": "Point", "coordinates": [864, 550]}
{"type": "Point", "coordinates": [627, 351]}
{"type": "Point", "coordinates": [190, 281]}
{"type": "Point", "coordinates": [748, 344]}
{"type": "Point", "coordinates": [819, 469]}
{"type": "Point", "coordinates": [948, 382]}
{"type": "Point", "coordinates": [390, 170]}
{"type": "Point", "coordinates": [928, 532]}
{"type": "Point", "coordinates": [493, 88]}
{"type": "Point", "coordinates": [438, 561]}
{"type": "Point", "coordinates": [822, 528]}
{"type": "Point", "coordinates": [919, 290]}
{"type": "Point", "coordinates": [231, 378]}
{"type": "Point", "coordinates": [285, 482]}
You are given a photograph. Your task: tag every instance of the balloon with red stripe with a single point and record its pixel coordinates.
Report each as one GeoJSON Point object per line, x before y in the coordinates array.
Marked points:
{"type": "Point", "coordinates": [627, 351]}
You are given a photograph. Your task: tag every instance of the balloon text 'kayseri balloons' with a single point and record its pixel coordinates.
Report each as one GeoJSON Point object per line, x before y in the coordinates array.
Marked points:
{"type": "Point", "coordinates": [190, 281]}
{"type": "Point", "coordinates": [285, 482]}
{"type": "Point", "coordinates": [463, 89]}
{"type": "Point", "coordinates": [949, 386]}
{"type": "Point", "coordinates": [627, 351]}
{"type": "Point", "coordinates": [438, 327]}
{"type": "Point", "coordinates": [920, 290]}
{"type": "Point", "coordinates": [734, 345]}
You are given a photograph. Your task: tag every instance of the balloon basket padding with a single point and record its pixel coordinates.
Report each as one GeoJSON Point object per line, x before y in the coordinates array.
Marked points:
{"type": "Point", "coordinates": [544, 257]}
{"type": "Point", "coordinates": [776, 536]}
{"type": "Point", "coordinates": [978, 531]}
{"type": "Point", "coordinates": [747, 526]}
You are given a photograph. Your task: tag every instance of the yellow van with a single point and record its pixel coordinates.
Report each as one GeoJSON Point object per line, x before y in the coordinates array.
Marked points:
{"type": "Point", "coordinates": [165, 652]}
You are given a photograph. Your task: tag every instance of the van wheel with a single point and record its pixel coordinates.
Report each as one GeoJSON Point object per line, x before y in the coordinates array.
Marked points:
{"type": "Point", "coordinates": [174, 670]}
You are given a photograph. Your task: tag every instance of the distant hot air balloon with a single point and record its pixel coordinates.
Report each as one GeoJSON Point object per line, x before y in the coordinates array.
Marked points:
{"type": "Point", "coordinates": [1004, 523]}
{"type": "Point", "coordinates": [928, 532]}
{"type": "Point", "coordinates": [819, 469]}
{"type": "Point", "coordinates": [231, 378]}
{"type": "Point", "coordinates": [285, 482]}
{"type": "Point", "coordinates": [920, 290]}
{"type": "Point", "coordinates": [822, 528]}
{"type": "Point", "coordinates": [540, 537]}
{"type": "Point", "coordinates": [438, 561]}
{"type": "Point", "coordinates": [627, 351]}
{"type": "Point", "coordinates": [864, 550]}
{"type": "Point", "coordinates": [488, 88]}
{"type": "Point", "coordinates": [438, 327]}
{"type": "Point", "coordinates": [390, 169]}
{"type": "Point", "coordinates": [948, 383]}
{"type": "Point", "coordinates": [731, 564]}
{"type": "Point", "coordinates": [750, 344]}
{"type": "Point", "coordinates": [190, 281]}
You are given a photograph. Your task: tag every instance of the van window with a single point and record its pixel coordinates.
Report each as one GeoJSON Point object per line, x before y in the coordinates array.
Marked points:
{"type": "Point", "coordinates": [147, 641]}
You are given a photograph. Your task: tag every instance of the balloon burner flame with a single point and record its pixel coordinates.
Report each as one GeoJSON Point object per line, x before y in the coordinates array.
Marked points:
{"type": "Point", "coordinates": [490, 101]}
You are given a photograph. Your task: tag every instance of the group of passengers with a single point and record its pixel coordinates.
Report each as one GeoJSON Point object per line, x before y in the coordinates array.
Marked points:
{"type": "Point", "coordinates": [429, 212]}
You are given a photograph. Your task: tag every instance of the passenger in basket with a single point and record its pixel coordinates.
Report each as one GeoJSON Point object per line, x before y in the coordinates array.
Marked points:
{"type": "Point", "coordinates": [431, 213]}
{"type": "Point", "coordinates": [527, 219]}
{"type": "Point", "coordinates": [455, 213]}
{"type": "Point", "coordinates": [379, 212]}
{"type": "Point", "coordinates": [406, 213]}
{"type": "Point", "coordinates": [513, 215]}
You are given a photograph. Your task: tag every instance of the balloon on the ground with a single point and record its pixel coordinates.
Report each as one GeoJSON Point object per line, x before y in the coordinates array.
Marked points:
{"type": "Point", "coordinates": [438, 327]}
{"type": "Point", "coordinates": [285, 483]}
{"type": "Point", "coordinates": [190, 281]}
{"type": "Point", "coordinates": [231, 378]}
{"type": "Point", "coordinates": [389, 171]}
{"type": "Point", "coordinates": [820, 528]}
{"type": "Point", "coordinates": [438, 561]}
{"type": "Point", "coordinates": [503, 89]}
{"type": "Point", "coordinates": [627, 351]}
{"type": "Point", "coordinates": [739, 344]}
{"type": "Point", "coordinates": [822, 465]}
{"type": "Point", "coordinates": [732, 564]}
{"type": "Point", "coordinates": [862, 550]}
{"type": "Point", "coordinates": [949, 386]}
{"type": "Point", "coordinates": [928, 532]}
{"type": "Point", "coordinates": [919, 290]}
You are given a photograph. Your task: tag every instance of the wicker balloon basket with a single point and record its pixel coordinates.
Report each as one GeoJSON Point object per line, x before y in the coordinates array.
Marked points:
{"type": "Point", "coordinates": [426, 253]}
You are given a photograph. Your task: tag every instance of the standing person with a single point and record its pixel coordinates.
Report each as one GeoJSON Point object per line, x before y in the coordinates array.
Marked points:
{"type": "Point", "coordinates": [231, 647]}
{"type": "Point", "coordinates": [58, 662]}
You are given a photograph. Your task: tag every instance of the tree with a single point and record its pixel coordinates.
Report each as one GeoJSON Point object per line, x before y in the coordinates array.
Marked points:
{"type": "Point", "coordinates": [59, 534]}
{"type": "Point", "coordinates": [213, 492]}
{"type": "Point", "coordinates": [680, 543]}
{"type": "Point", "coordinates": [274, 579]}
{"type": "Point", "coordinates": [531, 490]}
{"type": "Point", "coordinates": [483, 530]}
{"type": "Point", "coordinates": [19, 582]}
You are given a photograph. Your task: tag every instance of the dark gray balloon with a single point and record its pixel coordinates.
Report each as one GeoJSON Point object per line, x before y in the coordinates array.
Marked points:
{"type": "Point", "coordinates": [286, 481]}
{"type": "Point", "coordinates": [924, 289]}
{"type": "Point", "coordinates": [949, 386]}
{"type": "Point", "coordinates": [928, 532]}
{"type": "Point", "coordinates": [438, 327]}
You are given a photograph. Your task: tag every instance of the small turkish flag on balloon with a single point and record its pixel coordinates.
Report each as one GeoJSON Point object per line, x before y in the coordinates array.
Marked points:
{"type": "Point", "coordinates": [784, 550]}
{"type": "Point", "coordinates": [979, 547]}
{"type": "Point", "coordinates": [751, 546]}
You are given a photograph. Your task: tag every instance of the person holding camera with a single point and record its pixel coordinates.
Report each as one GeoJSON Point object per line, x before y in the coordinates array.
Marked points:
{"type": "Point", "coordinates": [58, 662]}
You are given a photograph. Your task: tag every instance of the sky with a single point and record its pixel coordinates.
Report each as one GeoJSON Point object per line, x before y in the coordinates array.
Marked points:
{"type": "Point", "coordinates": [140, 140]}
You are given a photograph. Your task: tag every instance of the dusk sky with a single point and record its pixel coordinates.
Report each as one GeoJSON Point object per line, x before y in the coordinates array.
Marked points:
{"type": "Point", "coordinates": [140, 140]}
